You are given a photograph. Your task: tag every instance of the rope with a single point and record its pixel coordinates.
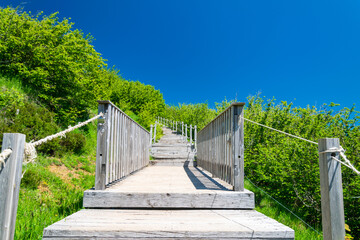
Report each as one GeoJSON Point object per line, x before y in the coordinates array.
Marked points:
{"type": "Point", "coordinates": [341, 150]}
{"type": "Point", "coordinates": [281, 131]}
{"type": "Point", "coordinates": [3, 156]}
{"type": "Point", "coordinates": [346, 162]}
{"type": "Point", "coordinates": [30, 151]}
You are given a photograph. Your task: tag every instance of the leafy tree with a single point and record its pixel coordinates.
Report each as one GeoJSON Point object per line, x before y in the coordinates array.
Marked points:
{"type": "Point", "coordinates": [59, 64]}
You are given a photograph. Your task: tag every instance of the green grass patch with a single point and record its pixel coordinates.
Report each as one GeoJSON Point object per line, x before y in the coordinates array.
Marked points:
{"type": "Point", "coordinates": [52, 188]}
{"type": "Point", "coordinates": [270, 208]}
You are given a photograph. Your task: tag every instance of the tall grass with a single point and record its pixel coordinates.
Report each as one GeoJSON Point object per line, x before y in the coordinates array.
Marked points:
{"type": "Point", "coordinates": [272, 209]}
{"type": "Point", "coordinates": [53, 188]}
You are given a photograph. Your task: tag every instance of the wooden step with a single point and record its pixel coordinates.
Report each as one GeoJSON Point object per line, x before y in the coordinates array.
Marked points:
{"type": "Point", "coordinates": [169, 187]}
{"type": "Point", "coordinates": [167, 224]}
{"type": "Point", "coordinates": [174, 162]}
{"type": "Point", "coordinates": [173, 155]}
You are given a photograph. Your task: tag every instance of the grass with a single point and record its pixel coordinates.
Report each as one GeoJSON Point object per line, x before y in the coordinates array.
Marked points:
{"type": "Point", "coordinates": [272, 209]}
{"type": "Point", "coordinates": [53, 188]}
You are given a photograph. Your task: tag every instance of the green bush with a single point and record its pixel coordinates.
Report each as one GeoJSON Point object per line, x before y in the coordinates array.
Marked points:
{"type": "Point", "coordinates": [288, 168]}
{"type": "Point", "coordinates": [57, 63]}
{"type": "Point", "coordinates": [285, 167]}
{"type": "Point", "coordinates": [20, 114]}
{"type": "Point", "coordinates": [74, 142]}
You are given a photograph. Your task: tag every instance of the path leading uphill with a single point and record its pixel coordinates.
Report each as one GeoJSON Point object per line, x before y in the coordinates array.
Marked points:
{"type": "Point", "coordinates": [169, 199]}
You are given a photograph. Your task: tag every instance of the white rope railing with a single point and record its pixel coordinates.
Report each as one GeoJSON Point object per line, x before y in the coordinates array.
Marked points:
{"type": "Point", "coordinates": [291, 135]}
{"type": "Point", "coordinates": [341, 150]}
{"type": "Point", "coordinates": [30, 151]}
{"type": "Point", "coordinates": [3, 156]}
{"type": "Point", "coordinates": [346, 162]}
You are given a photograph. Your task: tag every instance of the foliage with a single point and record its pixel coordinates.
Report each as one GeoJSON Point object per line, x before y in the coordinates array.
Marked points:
{"type": "Point", "coordinates": [195, 114]}
{"type": "Point", "coordinates": [288, 168]}
{"type": "Point", "coordinates": [58, 64]}
{"type": "Point", "coordinates": [270, 208]}
{"type": "Point", "coordinates": [53, 188]}
{"type": "Point", "coordinates": [50, 191]}
{"type": "Point", "coordinates": [18, 113]}
{"type": "Point", "coordinates": [285, 167]}
{"type": "Point", "coordinates": [135, 98]}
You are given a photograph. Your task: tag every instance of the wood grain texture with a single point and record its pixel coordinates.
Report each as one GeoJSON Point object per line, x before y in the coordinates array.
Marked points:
{"type": "Point", "coordinates": [10, 177]}
{"type": "Point", "coordinates": [122, 146]}
{"type": "Point", "coordinates": [332, 205]}
{"type": "Point", "coordinates": [168, 224]}
{"type": "Point", "coordinates": [169, 187]}
{"type": "Point", "coordinates": [220, 146]}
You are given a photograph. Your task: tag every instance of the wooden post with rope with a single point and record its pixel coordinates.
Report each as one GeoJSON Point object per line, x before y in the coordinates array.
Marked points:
{"type": "Point", "coordinates": [10, 177]}
{"type": "Point", "coordinates": [332, 202]}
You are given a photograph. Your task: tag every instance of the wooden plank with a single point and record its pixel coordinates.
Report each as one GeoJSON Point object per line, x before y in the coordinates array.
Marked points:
{"type": "Point", "coordinates": [101, 149]}
{"type": "Point", "coordinates": [168, 224]}
{"type": "Point", "coordinates": [332, 205]}
{"type": "Point", "coordinates": [171, 187]}
{"type": "Point", "coordinates": [117, 146]}
{"type": "Point", "coordinates": [108, 141]}
{"type": "Point", "coordinates": [238, 149]}
{"type": "Point", "coordinates": [158, 200]}
{"type": "Point", "coordinates": [10, 177]}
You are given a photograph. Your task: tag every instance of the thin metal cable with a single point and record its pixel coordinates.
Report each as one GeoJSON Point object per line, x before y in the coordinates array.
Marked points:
{"type": "Point", "coordinates": [291, 135]}
{"type": "Point", "coordinates": [283, 206]}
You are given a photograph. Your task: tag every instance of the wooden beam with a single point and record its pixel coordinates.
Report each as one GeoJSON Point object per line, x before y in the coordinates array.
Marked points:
{"type": "Point", "coordinates": [332, 205]}
{"type": "Point", "coordinates": [101, 149]}
{"type": "Point", "coordinates": [10, 177]}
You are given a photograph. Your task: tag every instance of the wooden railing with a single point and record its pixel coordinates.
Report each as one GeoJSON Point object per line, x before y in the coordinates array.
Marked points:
{"type": "Point", "coordinates": [220, 146]}
{"type": "Point", "coordinates": [189, 132]}
{"type": "Point", "coordinates": [122, 145]}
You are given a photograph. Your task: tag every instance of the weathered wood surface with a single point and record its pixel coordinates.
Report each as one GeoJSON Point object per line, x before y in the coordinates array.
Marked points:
{"type": "Point", "coordinates": [171, 150]}
{"type": "Point", "coordinates": [220, 146]}
{"type": "Point", "coordinates": [169, 187]}
{"type": "Point", "coordinates": [10, 177]}
{"type": "Point", "coordinates": [167, 224]}
{"type": "Point", "coordinates": [122, 145]}
{"type": "Point", "coordinates": [332, 203]}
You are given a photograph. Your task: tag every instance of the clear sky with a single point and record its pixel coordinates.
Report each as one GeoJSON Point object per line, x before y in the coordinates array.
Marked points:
{"type": "Point", "coordinates": [301, 51]}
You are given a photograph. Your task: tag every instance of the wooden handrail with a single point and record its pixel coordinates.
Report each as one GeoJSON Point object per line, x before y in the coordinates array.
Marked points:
{"type": "Point", "coordinates": [122, 145]}
{"type": "Point", "coordinates": [220, 146]}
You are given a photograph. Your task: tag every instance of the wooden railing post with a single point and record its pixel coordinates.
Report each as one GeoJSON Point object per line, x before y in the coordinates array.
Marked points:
{"type": "Point", "coordinates": [101, 146]}
{"type": "Point", "coordinates": [186, 133]}
{"type": "Point", "coordinates": [332, 203]}
{"type": "Point", "coordinates": [182, 128]}
{"type": "Point", "coordinates": [10, 177]}
{"type": "Point", "coordinates": [220, 146]}
{"type": "Point", "coordinates": [176, 126]}
{"type": "Point", "coordinates": [151, 134]}
{"type": "Point", "coordinates": [238, 143]}
{"type": "Point", "coordinates": [155, 133]}
{"type": "Point", "coordinates": [190, 133]}
{"type": "Point", "coordinates": [122, 145]}
{"type": "Point", "coordinates": [195, 136]}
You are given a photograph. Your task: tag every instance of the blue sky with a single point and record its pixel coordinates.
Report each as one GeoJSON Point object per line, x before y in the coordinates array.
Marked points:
{"type": "Point", "coordinates": [306, 52]}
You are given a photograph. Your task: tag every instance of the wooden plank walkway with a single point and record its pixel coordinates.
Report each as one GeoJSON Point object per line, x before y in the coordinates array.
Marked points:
{"type": "Point", "coordinates": [167, 224]}
{"type": "Point", "coordinates": [169, 187]}
{"type": "Point", "coordinates": [170, 199]}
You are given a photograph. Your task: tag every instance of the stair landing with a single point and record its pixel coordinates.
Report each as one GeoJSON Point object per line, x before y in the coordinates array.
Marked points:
{"type": "Point", "coordinates": [169, 187]}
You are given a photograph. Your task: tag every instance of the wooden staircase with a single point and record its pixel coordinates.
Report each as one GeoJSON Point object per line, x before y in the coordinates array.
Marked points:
{"type": "Point", "coordinates": [172, 149]}
{"type": "Point", "coordinates": [169, 199]}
